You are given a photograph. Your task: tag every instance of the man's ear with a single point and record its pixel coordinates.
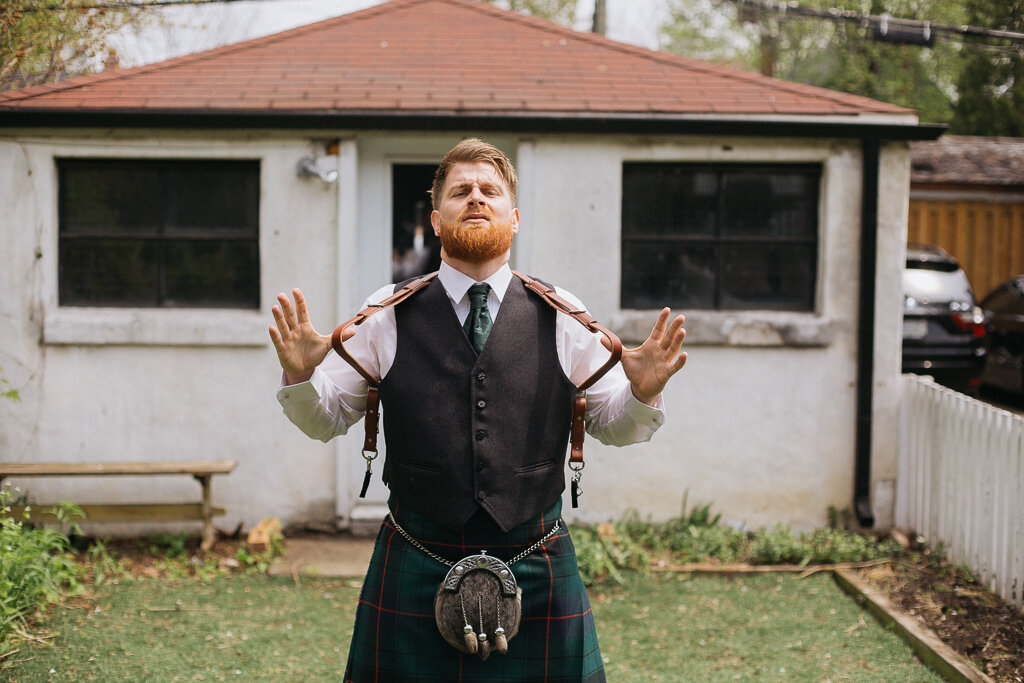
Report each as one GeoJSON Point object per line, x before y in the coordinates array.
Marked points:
{"type": "Point", "coordinates": [515, 220]}
{"type": "Point", "coordinates": [435, 220]}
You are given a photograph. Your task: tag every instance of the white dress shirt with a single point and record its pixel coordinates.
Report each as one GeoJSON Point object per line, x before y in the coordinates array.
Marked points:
{"type": "Point", "coordinates": [334, 398]}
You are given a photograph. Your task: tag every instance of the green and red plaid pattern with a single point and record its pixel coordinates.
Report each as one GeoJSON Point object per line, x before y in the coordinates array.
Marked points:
{"type": "Point", "coordinates": [396, 640]}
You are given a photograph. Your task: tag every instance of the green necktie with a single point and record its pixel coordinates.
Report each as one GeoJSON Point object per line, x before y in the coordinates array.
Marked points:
{"type": "Point", "coordinates": [478, 322]}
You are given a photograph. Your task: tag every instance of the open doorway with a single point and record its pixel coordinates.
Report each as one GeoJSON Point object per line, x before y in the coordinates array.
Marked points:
{"type": "Point", "coordinates": [415, 250]}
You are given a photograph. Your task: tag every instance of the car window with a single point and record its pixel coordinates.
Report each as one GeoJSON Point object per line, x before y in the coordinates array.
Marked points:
{"type": "Point", "coordinates": [1016, 306]}
{"type": "Point", "coordinates": [936, 287]}
{"type": "Point", "coordinates": [999, 300]}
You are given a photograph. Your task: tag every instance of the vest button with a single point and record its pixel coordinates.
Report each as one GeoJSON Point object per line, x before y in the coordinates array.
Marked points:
{"type": "Point", "coordinates": [481, 377]}
{"type": "Point", "coordinates": [481, 495]}
{"type": "Point", "coordinates": [481, 404]}
{"type": "Point", "coordinates": [481, 434]}
{"type": "Point", "coordinates": [480, 465]}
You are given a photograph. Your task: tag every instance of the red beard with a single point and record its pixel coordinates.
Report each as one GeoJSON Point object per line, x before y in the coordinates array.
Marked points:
{"type": "Point", "coordinates": [476, 244]}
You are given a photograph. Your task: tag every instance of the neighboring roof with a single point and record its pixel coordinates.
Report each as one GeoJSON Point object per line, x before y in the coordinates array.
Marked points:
{"type": "Point", "coordinates": [440, 58]}
{"type": "Point", "coordinates": [966, 160]}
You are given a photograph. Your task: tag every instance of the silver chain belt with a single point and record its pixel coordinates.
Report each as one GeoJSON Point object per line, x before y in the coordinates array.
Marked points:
{"type": "Point", "coordinates": [419, 546]}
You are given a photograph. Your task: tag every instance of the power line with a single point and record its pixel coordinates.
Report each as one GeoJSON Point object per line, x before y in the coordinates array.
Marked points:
{"type": "Point", "coordinates": [894, 29]}
{"type": "Point", "coordinates": [126, 5]}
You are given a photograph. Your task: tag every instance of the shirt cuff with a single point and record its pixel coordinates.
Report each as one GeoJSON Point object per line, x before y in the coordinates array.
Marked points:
{"type": "Point", "coordinates": [310, 390]}
{"type": "Point", "coordinates": [643, 414]}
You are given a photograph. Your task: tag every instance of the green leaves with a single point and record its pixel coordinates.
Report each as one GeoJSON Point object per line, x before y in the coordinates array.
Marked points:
{"type": "Point", "coordinates": [991, 83]}
{"type": "Point", "coordinates": [36, 564]}
{"type": "Point", "coordinates": [561, 11]}
{"type": "Point", "coordinates": [45, 41]}
{"type": "Point", "coordinates": [697, 536]}
{"type": "Point", "coordinates": [977, 85]}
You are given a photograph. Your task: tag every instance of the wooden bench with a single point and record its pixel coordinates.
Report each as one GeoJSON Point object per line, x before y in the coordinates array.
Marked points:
{"type": "Point", "coordinates": [202, 470]}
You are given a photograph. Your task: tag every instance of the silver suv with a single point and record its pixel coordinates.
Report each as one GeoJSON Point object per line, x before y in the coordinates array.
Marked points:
{"type": "Point", "coordinates": [943, 327]}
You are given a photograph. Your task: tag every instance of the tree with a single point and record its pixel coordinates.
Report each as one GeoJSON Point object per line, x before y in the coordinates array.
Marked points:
{"type": "Point", "coordinates": [561, 11]}
{"type": "Point", "coordinates": [991, 84]}
{"type": "Point", "coordinates": [44, 41]}
{"type": "Point", "coordinates": [838, 55]}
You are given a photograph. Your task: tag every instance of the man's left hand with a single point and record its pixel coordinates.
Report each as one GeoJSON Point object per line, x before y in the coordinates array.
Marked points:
{"type": "Point", "coordinates": [649, 366]}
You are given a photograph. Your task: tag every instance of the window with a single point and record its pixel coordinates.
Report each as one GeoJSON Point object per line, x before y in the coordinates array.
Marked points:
{"type": "Point", "coordinates": [158, 233]}
{"type": "Point", "coordinates": [719, 237]}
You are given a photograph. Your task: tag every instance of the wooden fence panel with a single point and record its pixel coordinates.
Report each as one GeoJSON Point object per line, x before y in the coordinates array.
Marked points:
{"type": "Point", "coordinates": [960, 482]}
{"type": "Point", "coordinates": [987, 237]}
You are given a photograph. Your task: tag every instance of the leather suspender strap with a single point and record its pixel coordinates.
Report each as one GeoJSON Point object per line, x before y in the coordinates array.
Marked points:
{"type": "Point", "coordinates": [582, 317]}
{"type": "Point", "coordinates": [579, 407]}
{"type": "Point", "coordinates": [361, 317]}
{"type": "Point", "coordinates": [372, 418]}
{"type": "Point", "coordinates": [548, 294]}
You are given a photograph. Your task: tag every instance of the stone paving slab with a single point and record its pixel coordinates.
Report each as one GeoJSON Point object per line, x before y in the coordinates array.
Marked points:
{"type": "Point", "coordinates": [327, 556]}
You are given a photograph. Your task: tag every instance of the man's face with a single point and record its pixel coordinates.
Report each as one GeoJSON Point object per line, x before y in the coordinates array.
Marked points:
{"type": "Point", "coordinates": [475, 218]}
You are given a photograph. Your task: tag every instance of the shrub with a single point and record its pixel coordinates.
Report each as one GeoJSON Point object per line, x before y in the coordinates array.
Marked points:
{"type": "Point", "coordinates": [36, 565]}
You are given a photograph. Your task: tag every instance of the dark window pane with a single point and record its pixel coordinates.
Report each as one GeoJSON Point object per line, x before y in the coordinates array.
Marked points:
{"type": "Point", "coordinates": [212, 273]}
{"type": "Point", "coordinates": [747, 205]}
{"type": "Point", "coordinates": [768, 276]}
{"type": "Point", "coordinates": [108, 272]}
{"type": "Point", "coordinates": [676, 276]}
{"type": "Point", "coordinates": [719, 236]}
{"type": "Point", "coordinates": [216, 198]}
{"type": "Point", "coordinates": [159, 233]}
{"type": "Point", "coordinates": [109, 197]}
{"type": "Point", "coordinates": [661, 199]}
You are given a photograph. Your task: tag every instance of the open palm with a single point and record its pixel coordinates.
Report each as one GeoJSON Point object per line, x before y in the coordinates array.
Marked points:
{"type": "Point", "coordinates": [650, 366]}
{"type": "Point", "coordinates": [300, 348]}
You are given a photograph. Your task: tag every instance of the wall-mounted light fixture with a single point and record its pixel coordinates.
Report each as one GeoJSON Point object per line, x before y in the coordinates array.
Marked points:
{"type": "Point", "coordinates": [308, 168]}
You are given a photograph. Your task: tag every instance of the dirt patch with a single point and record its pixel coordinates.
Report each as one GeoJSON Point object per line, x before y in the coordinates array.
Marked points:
{"type": "Point", "coordinates": [967, 616]}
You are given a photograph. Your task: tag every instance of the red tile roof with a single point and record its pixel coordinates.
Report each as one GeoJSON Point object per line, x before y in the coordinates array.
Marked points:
{"type": "Point", "coordinates": [438, 57]}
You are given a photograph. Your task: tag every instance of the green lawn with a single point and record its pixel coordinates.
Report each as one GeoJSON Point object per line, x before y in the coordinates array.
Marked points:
{"type": "Point", "coordinates": [666, 627]}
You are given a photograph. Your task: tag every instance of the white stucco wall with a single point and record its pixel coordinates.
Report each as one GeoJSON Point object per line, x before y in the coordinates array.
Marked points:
{"type": "Point", "coordinates": [134, 384]}
{"type": "Point", "coordinates": [761, 421]}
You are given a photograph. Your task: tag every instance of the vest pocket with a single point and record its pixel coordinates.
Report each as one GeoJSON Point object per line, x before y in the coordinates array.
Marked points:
{"type": "Point", "coordinates": [420, 465]}
{"type": "Point", "coordinates": [533, 467]}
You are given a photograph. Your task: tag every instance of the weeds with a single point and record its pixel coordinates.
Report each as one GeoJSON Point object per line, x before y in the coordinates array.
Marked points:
{"type": "Point", "coordinates": [698, 536]}
{"type": "Point", "coordinates": [36, 564]}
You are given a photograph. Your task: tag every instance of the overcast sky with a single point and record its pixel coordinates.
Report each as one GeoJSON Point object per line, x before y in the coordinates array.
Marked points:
{"type": "Point", "coordinates": [175, 31]}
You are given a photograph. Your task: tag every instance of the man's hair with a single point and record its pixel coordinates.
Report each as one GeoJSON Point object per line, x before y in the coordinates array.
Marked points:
{"type": "Point", "coordinates": [473, 150]}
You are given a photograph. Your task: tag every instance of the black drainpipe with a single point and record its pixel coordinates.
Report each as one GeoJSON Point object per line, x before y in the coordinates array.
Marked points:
{"type": "Point", "coordinates": [866, 331]}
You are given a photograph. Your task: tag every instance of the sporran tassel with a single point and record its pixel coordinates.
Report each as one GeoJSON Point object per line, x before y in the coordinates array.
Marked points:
{"type": "Point", "coordinates": [500, 643]}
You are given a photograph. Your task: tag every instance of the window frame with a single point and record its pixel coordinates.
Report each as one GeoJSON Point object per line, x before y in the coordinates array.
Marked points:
{"type": "Point", "coordinates": [161, 234]}
{"type": "Point", "coordinates": [718, 239]}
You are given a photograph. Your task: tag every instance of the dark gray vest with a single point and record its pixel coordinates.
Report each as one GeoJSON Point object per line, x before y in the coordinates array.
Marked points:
{"type": "Point", "coordinates": [466, 432]}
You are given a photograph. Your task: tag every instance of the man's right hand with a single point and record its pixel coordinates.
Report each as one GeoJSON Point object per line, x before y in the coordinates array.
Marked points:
{"type": "Point", "coordinates": [299, 347]}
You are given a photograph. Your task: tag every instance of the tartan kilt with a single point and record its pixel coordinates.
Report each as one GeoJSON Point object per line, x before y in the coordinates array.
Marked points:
{"type": "Point", "coordinates": [395, 638]}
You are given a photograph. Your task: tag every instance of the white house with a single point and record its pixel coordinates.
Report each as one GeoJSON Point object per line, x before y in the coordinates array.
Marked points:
{"type": "Point", "coordinates": [150, 215]}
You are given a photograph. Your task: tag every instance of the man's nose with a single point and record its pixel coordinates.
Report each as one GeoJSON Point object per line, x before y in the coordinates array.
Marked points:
{"type": "Point", "coordinates": [476, 197]}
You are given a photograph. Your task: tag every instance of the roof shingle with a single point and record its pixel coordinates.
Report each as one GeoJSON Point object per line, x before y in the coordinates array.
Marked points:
{"type": "Point", "coordinates": [437, 56]}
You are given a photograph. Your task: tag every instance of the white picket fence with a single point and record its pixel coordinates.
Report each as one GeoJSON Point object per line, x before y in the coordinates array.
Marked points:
{"type": "Point", "coordinates": [961, 482]}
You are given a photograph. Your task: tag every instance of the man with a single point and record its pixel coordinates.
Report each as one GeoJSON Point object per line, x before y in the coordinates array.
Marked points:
{"type": "Point", "coordinates": [476, 424]}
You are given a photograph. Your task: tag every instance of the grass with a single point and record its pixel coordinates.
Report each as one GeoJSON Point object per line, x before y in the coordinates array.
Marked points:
{"type": "Point", "coordinates": [686, 627]}
{"type": "Point", "coordinates": [662, 627]}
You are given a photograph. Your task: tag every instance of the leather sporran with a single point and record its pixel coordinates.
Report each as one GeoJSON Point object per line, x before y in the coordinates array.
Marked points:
{"type": "Point", "coordinates": [478, 606]}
